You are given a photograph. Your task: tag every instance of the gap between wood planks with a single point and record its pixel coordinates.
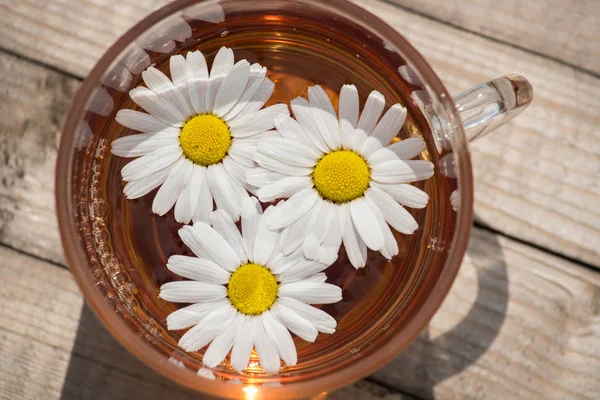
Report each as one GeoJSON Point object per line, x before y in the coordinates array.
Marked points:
{"type": "Point", "coordinates": [491, 38]}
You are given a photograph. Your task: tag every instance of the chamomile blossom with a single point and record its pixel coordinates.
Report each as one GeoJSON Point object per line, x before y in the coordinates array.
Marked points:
{"type": "Point", "coordinates": [246, 294]}
{"type": "Point", "coordinates": [198, 136]}
{"type": "Point", "coordinates": [343, 179]}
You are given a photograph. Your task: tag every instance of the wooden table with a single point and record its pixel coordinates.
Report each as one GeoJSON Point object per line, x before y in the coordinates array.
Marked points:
{"type": "Point", "coordinates": [523, 318]}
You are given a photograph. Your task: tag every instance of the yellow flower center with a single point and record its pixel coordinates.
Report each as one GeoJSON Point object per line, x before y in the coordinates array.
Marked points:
{"type": "Point", "coordinates": [205, 139]}
{"type": "Point", "coordinates": [341, 176]}
{"type": "Point", "coordinates": [252, 289]}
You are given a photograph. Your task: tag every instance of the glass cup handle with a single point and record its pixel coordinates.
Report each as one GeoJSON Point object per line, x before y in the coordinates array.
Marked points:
{"type": "Point", "coordinates": [485, 107]}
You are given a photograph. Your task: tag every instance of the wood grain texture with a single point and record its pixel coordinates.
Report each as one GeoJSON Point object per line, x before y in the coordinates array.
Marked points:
{"type": "Point", "coordinates": [33, 104]}
{"type": "Point", "coordinates": [536, 337]}
{"type": "Point", "coordinates": [566, 31]}
{"type": "Point", "coordinates": [536, 178]}
{"type": "Point", "coordinates": [70, 35]}
{"type": "Point", "coordinates": [54, 348]}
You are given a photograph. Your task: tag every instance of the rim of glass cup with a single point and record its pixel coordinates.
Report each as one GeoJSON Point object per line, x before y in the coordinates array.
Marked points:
{"type": "Point", "coordinates": [76, 259]}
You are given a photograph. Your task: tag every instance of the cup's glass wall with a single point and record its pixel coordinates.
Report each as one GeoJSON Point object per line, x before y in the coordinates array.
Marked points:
{"type": "Point", "coordinates": [118, 249]}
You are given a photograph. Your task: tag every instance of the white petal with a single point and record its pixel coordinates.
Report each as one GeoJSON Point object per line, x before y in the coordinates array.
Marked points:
{"type": "Point", "coordinates": [212, 89]}
{"type": "Point", "coordinates": [191, 292]}
{"type": "Point", "coordinates": [348, 110]}
{"type": "Point", "coordinates": [317, 233]}
{"type": "Point", "coordinates": [282, 262]}
{"type": "Point", "coordinates": [196, 65]}
{"type": "Point", "coordinates": [236, 171]}
{"type": "Point", "coordinates": [331, 246]}
{"type": "Point", "coordinates": [170, 190]}
{"type": "Point", "coordinates": [155, 105]}
{"type": "Point", "coordinates": [254, 83]}
{"type": "Point", "coordinates": [143, 143]}
{"type": "Point", "coordinates": [223, 62]}
{"type": "Point", "coordinates": [242, 346]}
{"type": "Point", "coordinates": [197, 79]}
{"type": "Point", "coordinates": [215, 246]}
{"type": "Point", "coordinates": [368, 119]}
{"type": "Point", "coordinates": [256, 122]}
{"type": "Point", "coordinates": [387, 128]}
{"type": "Point", "coordinates": [290, 129]}
{"type": "Point", "coordinates": [205, 199]}
{"type": "Point", "coordinates": [285, 188]}
{"type": "Point", "coordinates": [390, 246]}
{"type": "Point", "coordinates": [266, 349]}
{"type": "Point", "coordinates": [294, 322]}
{"type": "Point", "coordinates": [301, 109]}
{"type": "Point", "coordinates": [282, 167]}
{"type": "Point", "coordinates": [402, 171]}
{"type": "Point", "coordinates": [251, 216]}
{"type": "Point", "coordinates": [293, 209]}
{"type": "Point", "coordinates": [396, 215]}
{"type": "Point", "coordinates": [258, 100]}
{"type": "Point", "coordinates": [188, 199]}
{"type": "Point", "coordinates": [218, 349]}
{"type": "Point", "coordinates": [317, 278]}
{"type": "Point", "coordinates": [141, 187]}
{"type": "Point", "coordinates": [405, 194]}
{"type": "Point", "coordinates": [232, 88]}
{"type": "Point", "coordinates": [366, 224]}
{"type": "Point", "coordinates": [324, 116]}
{"type": "Point", "coordinates": [193, 314]}
{"type": "Point", "coordinates": [354, 245]}
{"type": "Point", "coordinates": [192, 240]}
{"type": "Point", "coordinates": [255, 140]}
{"type": "Point", "coordinates": [296, 232]}
{"type": "Point", "coordinates": [198, 269]}
{"type": "Point", "coordinates": [140, 121]}
{"type": "Point", "coordinates": [371, 112]}
{"type": "Point", "coordinates": [320, 319]}
{"type": "Point", "coordinates": [222, 223]}
{"type": "Point", "coordinates": [265, 240]}
{"type": "Point", "coordinates": [455, 200]}
{"type": "Point", "coordinates": [301, 270]}
{"type": "Point", "coordinates": [211, 326]}
{"type": "Point", "coordinates": [225, 194]}
{"type": "Point", "coordinates": [404, 150]}
{"type": "Point", "coordinates": [281, 337]}
{"type": "Point", "coordinates": [289, 152]}
{"type": "Point", "coordinates": [160, 84]}
{"type": "Point", "coordinates": [311, 292]}
{"type": "Point", "coordinates": [260, 177]}
{"type": "Point", "coordinates": [151, 163]}
{"type": "Point", "coordinates": [242, 152]}
{"type": "Point", "coordinates": [177, 66]}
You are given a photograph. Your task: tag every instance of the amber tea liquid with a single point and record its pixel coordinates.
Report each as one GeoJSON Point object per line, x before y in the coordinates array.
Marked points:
{"type": "Point", "coordinates": [299, 50]}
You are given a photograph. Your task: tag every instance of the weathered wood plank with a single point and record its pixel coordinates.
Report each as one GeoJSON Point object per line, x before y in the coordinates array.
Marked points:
{"type": "Point", "coordinates": [54, 348]}
{"type": "Point", "coordinates": [33, 104]}
{"type": "Point", "coordinates": [518, 324]}
{"type": "Point", "coordinates": [536, 179]}
{"type": "Point", "coordinates": [68, 34]}
{"type": "Point", "coordinates": [567, 31]}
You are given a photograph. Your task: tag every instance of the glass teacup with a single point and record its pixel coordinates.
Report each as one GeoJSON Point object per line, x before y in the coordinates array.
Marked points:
{"type": "Point", "coordinates": [117, 250]}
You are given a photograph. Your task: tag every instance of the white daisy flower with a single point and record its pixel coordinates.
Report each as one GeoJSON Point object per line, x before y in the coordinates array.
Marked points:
{"type": "Point", "coordinates": [199, 135]}
{"type": "Point", "coordinates": [246, 293]}
{"type": "Point", "coordinates": [344, 180]}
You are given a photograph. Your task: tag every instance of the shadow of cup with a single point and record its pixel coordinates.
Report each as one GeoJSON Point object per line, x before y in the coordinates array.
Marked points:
{"type": "Point", "coordinates": [440, 353]}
